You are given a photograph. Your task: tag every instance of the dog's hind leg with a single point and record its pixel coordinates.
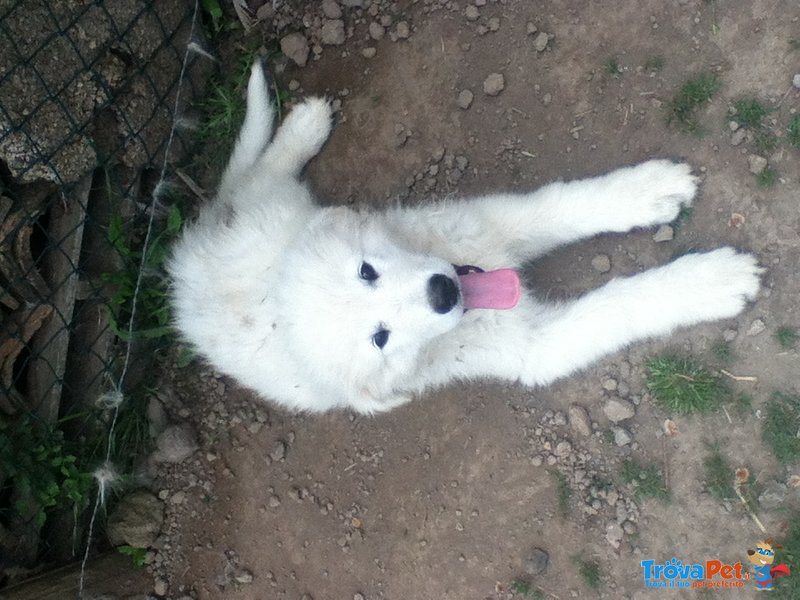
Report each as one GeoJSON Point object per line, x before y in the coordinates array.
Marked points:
{"type": "Point", "coordinates": [256, 130]}
{"type": "Point", "coordinates": [299, 138]}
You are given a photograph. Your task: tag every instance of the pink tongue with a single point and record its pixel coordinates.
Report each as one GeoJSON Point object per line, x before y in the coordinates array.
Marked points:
{"type": "Point", "coordinates": [496, 289]}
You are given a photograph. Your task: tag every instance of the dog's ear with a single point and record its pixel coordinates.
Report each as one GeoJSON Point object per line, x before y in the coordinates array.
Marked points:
{"type": "Point", "coordinates": [751, 552]}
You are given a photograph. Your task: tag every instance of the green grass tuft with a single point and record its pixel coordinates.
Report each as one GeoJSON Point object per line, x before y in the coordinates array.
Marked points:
{"type": "Point", "coordinates": [589, 571]}
{"type": "Point", "coordinates": [767, 178]}
{"type": "Point", "coordinates": [793, 131]}
{"type": "Point", "coordinates": [525, 589]}
{"type": "Point", "coordinates": [682, 107]}
{"type": "Point", "coordinates": [788, 588]}
{"type": "Point", "coordinates": [564, 491]}
{"type": "Point", "coordinates": [612, 67]}
{"type": "Point", "coordinates": [750, 112]}
{"type": "Point", "coordinates": [719, 474]}
{"type": "Point", "coordinates": [782, 426]}
{"type": "Point", "coordinates": [681, 386]}
{"type": "Point", "coordinates": [723, 351]}
{"type": "Point", "coordinates": [787, 336]}
{"type": "Point", "coordinates": [646, 480]}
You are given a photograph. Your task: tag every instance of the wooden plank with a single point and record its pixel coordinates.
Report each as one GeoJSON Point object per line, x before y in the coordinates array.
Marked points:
{"type": "Point", "coordinates": [60, 268]}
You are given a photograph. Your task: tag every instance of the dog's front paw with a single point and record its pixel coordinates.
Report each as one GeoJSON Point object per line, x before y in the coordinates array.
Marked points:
{"type": "Point", "coordinates": [655, 191]}
{"type": "Point", "coordinates": [310, 123]}
{"type": "Point", "coordinates": [718, 284]}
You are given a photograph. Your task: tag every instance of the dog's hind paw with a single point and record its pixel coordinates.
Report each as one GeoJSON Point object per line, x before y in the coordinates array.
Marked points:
{"type": "Point", "coordinates": [310, 124]}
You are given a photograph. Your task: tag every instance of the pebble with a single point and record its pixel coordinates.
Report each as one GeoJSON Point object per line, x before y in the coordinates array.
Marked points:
{"type": "Point", "coordinates": [579, 420]}
{"type": "Point", "coordinates": [664, 234]}
{"type": "Point", "coordinates": [563, 449]}
{"type": "Point", "coordinates": [621, 436]}
{"type": "Point", "coordinates": [295, 47]}
{"type": "Point", "coordinates": [729, 335]}
{"type": "Point", "coordinates": [402, 30]}
{"type": "Point", "coordinates": [540, 41]}
{"type": "Point", "coordinates": [601, 263]}
{"type": "Point", "coordinates": [738, 137]}
{"type": "Point", "coordinates": [369, 52]}
{"type": "Point", "coordinates": [494, 24]}
{"type": "Point", "coordinates": [537, 561]}
{"type": "Point", "coordinates": [332, 32]}
{"type": "Point", "coordinates": [376, 31]}
{"type": "Point", "coordinates": [175, 444]}
{"type": "Point", "coordinates": [531, 28]}
{"type": "Point", "coordinates": [278, 451]}
{"type": "Point", "coordinates": [610, 384]}
{"type": "Point", "coordinates": [756, 163]}
{"type": "Point", "coordinates": [494, 84]}
{"type": "Point", "coordinates": [796, 81]}
{"type": "Point", "coordinates": [331, 9]}
{"type": "Point", "coordinates": [160, 587]}
{"type": "Point", "coordinates": [614, 535]}
{"type": "Point", "coordinates": [756, 327]}
{"type": "Point", "coordinates": [358, 596]}
{"type": "Point", "coordinates": [472, 13]}
{"type": "Point", "coordinates": [617, 409]}
{"type": "Point", "coordinates": [244, 577]}
{"type": "Point", "coordinates": [274, 501]}
{"type": "Point", "coordinates": [178, 497]}
{"type": "Point", "coordinates": [465, 98]}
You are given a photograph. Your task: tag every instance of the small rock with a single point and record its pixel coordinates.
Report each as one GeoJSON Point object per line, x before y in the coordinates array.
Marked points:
{"type": "Point", "coordinates": [295, 47]}
{"type": "Point", "coordinates": [494, 24]}
{"type": "Point", "coordinates": [332, 32]}
{"type": "Point", "coordinates": [178, 497]}
{"type": "Point", "coordinates": [376, 31]}
{"type": "Point", "coordinates": [738, 137]}
{"type": "Point", "coordinates": [559, 419]}
{"type": "Point", "coordinates": [563, 449]}
{"type": "Point", "coordinates": [244, 577]}
{"type": "Point", "coordinates": [472, 13]}
{"type": "Point", "coordinates": [274, 501]}
{"type": "Point", "coordinates": [494, 84]}
{"type": "Point", "coordinates": [773, 495]}
{"type": "Point", "coordinates": [330, 8]}
{"type": "Point", "coordinates": [278, 451]}
{"type": "Point", "coordinates": [537, 561]}
{"type": "Point", "coordinates": [531, 28]}
{"type": "Point", "coordinates": [265, 11]}
{"type": "Point", "coordinates": [465, 99]}
{"type": "Point", "coordinates": [402, 30]}
{"type": "Point", "coordinates": [136, 521]}
{"type": "Point", "coordinates": [610, 384]}
{"type": "Point", "coordinates": [733, 125]}
{"type": "Point", "coordinates": [358, 596]}
{"type": "Point", "coordinates": [294, 85]}
{"type": "Point", "coordinates": [629, 528]}
{"type": "Point", "coordinates": [160, 587]}
{"type": "Point", "coordinates": [175, 444]}
{"type": "Point", "coordinates": [664, 234]}
{"type": "Point", "coordinates": [796, 81]}
{"type": "Point", "coordinates": [617, 410]}
{"type": "Point", "coordinates": [369, 52]}
{"type": "Point", "coordinates": [756, 163]}
{"type": "Point", "coordinates": [621, 436]}
{"type": "Point", "coordinates": [353, 3]}
{"type": "Point", "coordinates": [756, 327]}
{"type": "Point", "coordinates": [729, 335]}
{"type": "Point", "coordinates": [540, 41]}
{"type": "Point", "coordinates": [579, 420]}
{"type": "Point", "coordinates": [614, 534]}
{"type": "Point", "coordinates": [601, 263]}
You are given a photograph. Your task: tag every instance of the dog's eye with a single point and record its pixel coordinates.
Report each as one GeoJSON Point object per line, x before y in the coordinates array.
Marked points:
{"type": "Point", "coordinates": [367, 272]}
{"type": "Point", "coordinates": [380, 338]}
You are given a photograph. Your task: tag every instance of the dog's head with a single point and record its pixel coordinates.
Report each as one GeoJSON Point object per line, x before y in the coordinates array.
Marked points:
{"type": "Point", "coordinates": [361, 308]}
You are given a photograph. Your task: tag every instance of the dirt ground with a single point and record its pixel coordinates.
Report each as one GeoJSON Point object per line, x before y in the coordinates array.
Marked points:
{"type": "Point", "coordinates": [447, 497]}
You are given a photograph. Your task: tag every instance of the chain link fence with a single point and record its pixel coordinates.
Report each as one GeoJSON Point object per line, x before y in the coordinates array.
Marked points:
{"type": "Point", "coordinates": [87, 102]}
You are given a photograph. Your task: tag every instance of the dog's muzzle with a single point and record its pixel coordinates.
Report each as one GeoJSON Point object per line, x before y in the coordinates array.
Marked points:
{"type": "Point", "coordinates": [442, 293]}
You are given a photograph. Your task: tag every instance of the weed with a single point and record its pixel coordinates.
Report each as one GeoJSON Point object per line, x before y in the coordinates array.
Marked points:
{"type": "Point", "coordinates": [694, 92]}
{"type": "Point", "coordinates": [781, 427]}
{"type": "Point", "coordinates": [787, 337]}
{"type": "Point", "coordinates": [612, 67]}
{"type": "Point", "coordinates": [767, 178]}
{"type": "Point", "coordinates": [607, 437]}
{"type": "Point", "coordinates": [589, 571]}
{"type": "Point", "coordinates": [684, 216]}
{"type": "Point", "coordinates": [794, 43]}
{"type": "Point", "coordinates": [137, 554]}
{"type": "Point", "coordinates": [750, 112]}
{"type": "Point", "coordinates": [680, 385]}
{"type": "Point", "coordinates": [788, 588]}
{"type": "Point", "coordinates": [719, 474]}
{"type": "Point", "coordinates": [654, 63]}
{"type": "Point", "coordinates": [646, 480]}
{"type": "Point", "coordinates": [525, 589]}
{"type": "Point", "coordinates": [564, 492]}
{"type": "Point", "coordinates": [723, 351]}
{"type": "Point", "coordinates": [765, 141]}
{"type": "Point", "coordinates": [793, 131]}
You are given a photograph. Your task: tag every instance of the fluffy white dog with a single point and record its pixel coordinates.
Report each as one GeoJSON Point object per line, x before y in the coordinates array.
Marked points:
{"type": "Point", "coordinates": [317, 308]}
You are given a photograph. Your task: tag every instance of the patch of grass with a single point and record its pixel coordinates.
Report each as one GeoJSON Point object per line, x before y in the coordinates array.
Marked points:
{"type": "Point", "coordinates": [589, 571]}
{"type": "Point", "coordinates": [719, 474]}
{"type": "Point", "coordinates": [137, 554]}
{"type": "Point", "coordinates": [612, 67]}
{"type": "Point", "coordinates": [794, 43]}
{"type": "Point", "coordinates": [765, 141]}
{"type": "Point", "coordinates": [782, 426]}
{"type": "Point", "coordinates": [684, 216]}
{"type": "Point", "coordinates": [723, 351]}
{"type": "Point", "coordinates": [564, 491]}
{"type": "Point", "coordinates": [750, 112]}
{"type": "Point", "coordinates": [693, 93]}
{"type": "Point", "coordinates": [607, 437]}
{"type": "Point", "coordinates": [788, 588]}
{"type": "Point", "coordinates": [646, 480]}
{"type": "Point", "coordinates": [525, 589]}
{"type": "Point", "coordinates": [654, 63]}
{"type": "Point", "coordinates": [767, 178]}
{"type": "Point", "coordinates": [793, 131]}
{"type": "Point", "coordinates": [682, 386]}
{"type": "Point", "coordinates": [787, 337]}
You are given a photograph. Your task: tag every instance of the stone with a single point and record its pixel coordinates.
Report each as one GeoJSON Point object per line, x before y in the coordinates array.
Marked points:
{"type": "Point", "coordinates": [278, 451]}
{"type": "Point", "coordinates": [614, 534]}
{"type": "Point", "coordinates": [664, 234]}
{"type": "Point", "coordinates": [369, 52]}
{"type": "Point", "coordinates": [756, 327]}
{"type": "Point", "coordinates": [295, 47]}
{"type": "Point", "coordinates": [729, 335]}
{"type": "Point", "coordinates": [330, 8]}
{"type": "Point", "coordinates": [175, 444]}
{"type": "Point", "coordinates": [579, 420]}
{"type": "Point", "coordinates": [756, 163]}
{"type": "Point", "coordinates": [531, 28]}
{"type": "Point", "coordinates": [773, 495]}
{"type": "Point", "coordinates": [472, 13]}
{"type": "Point", "coordinates": [738, 136]}
{"type": "Point", "coordinates": [617, 410]}
{"type": "Point", "coordinates": [494, 24]}
{"type": "Point", "coordinates": [160, 587]}
{"type": "Point", "coordinates": [537, 561]}
{"type": "Point", "coordinates": [376, 31]}
{"type": "Point", "coordinates": [402, 30]}
{"type": "Point", "coordinates": [540, 41]}
{"type": "Point", "coordinates": [465, 98]}
{"type": "Point", "coordinates": [332, 32]}
{"type": "Point", "coordinates": [563, 449]}
{"type": "Point", "coordinates": [494, 84]}
{"type": "Point", "coordinates": [621, 436]}
{"type": "Point", "coordinates": [136, 521]}
{"type": "Point", "coordinates": [796, 81]}
{"type": "Point", "coordinates": [601, 263]}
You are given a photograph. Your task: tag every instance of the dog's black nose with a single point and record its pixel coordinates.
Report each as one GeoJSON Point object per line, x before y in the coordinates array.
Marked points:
{"type": "Point", "coordinates": [442, 293]}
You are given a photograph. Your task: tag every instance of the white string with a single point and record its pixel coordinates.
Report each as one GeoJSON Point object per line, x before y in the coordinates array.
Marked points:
{"type": "Point", "coordinates": [106, 475]}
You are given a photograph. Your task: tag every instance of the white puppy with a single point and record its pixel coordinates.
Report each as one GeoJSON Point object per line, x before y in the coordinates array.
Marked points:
{"type": "Point", "coordinates": [317, 308]}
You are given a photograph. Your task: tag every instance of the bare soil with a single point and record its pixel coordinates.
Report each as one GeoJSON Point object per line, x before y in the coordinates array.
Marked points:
{"type": "Point", "coordinates": [446, 497]}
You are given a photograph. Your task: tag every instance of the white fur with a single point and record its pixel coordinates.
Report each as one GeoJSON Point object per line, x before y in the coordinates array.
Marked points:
{"type": "Point", "coordinates": [267, 286]}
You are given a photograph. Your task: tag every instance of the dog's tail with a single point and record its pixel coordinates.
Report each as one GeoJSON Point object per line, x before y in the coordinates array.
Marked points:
{"type": "Point", "coordinates": [257, 128]}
